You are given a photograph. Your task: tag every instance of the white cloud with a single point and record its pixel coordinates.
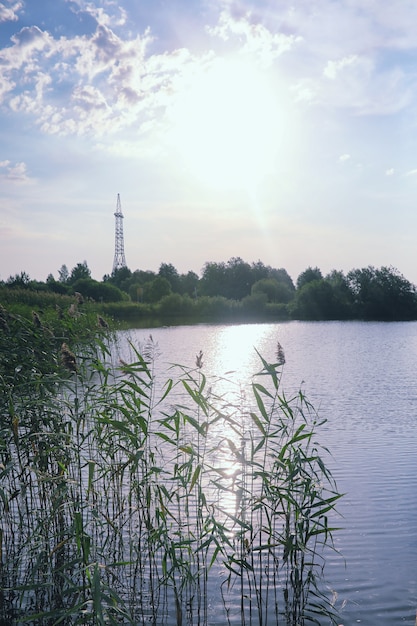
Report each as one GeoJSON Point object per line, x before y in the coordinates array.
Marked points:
{"type": "Point", "coordinates": [10, 14]}
{"type": "Point", "coordinates": [100, 14]}
{"type": "Point", "coordinates": [333, 68]}
{"type": "Point", "coordinates": [364, 86]}
{"type": "Point", "coordinates": [257, 38]}
{"type": "Point", "coordinates": [305, 90]}
{"type": "Point", "coordinates": [106, 82]}
{"type": "Point", "coordinates": [59, 80]}
{"type": "Point", "coordinates": [351, 53]}
{"type": "Point", "coordinates": [344, 157]}
{"type": "Point", "coordinates": [15, 173]}
{"type": "Point", "coordinates": [389, 172]}
{"type": "Point", "coordinates": [27, 43]}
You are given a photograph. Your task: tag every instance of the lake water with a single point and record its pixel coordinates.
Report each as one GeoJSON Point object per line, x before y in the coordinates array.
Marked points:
{"type": "Point", "coordinates": [362, 378]}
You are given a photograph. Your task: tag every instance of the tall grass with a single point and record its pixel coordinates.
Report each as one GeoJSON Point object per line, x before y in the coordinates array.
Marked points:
{"type": "Point", "coordinates": [126, 499]}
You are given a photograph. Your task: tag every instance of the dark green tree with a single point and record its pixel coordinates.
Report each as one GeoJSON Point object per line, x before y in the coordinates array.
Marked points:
{"type": "Point", "coordinates": [310, 274]}
{"type": "Point", "coordinates": [238, 279]}
{"type": "Point", "coordinates": [282, 276]}
{"type": "Point", "coordinates": [136, 292]}
{"type": "Point", "coordinates": [168, 271]}
{"type": "Point", "coordinates": [342, 295]}
{"type": "Point", "coordinates": [56, 286]}
{"type": "Point", "coordinates": [382, 294]}
{"type": "Point", "coordinates": [142, 276]}
{"type": "Point", "coordinates": [63, 274]}
{"type": "Point", "coordinates": [81, 270]}
{"type": "Point", "coordinates": [19, 280]}
{"type": "Point", "coordinates": [314, 301]}
{"type": "Point", "coordinates": [121, 278]}
{"type": "Point", "coordinates": [189, 284]}
{"type": "Point", "coordinates": [213, 279]}
{"type": "Point", "coordinates": [275, 291]}
{"type": "Point", "coordinates": [260, 271]}
{"type": "Point", "coordinates": [135, 285]}
{"type": "Point", "coordinates": [156, 289]}
{"type": "Point", "coordinates": [232, 280]}
{"type": "Point", "coordinates": [98, 291]}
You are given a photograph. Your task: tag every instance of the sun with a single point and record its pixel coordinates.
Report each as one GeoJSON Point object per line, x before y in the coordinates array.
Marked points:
{"type": "Point", "coordinates": [227, 124]}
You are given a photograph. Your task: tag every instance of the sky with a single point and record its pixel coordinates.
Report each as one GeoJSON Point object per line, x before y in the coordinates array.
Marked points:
{"type": "Point", "coordinates": [272, 130]}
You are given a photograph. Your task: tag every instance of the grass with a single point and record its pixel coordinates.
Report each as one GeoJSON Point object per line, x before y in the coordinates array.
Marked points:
{"type": "Point", "coordinates": [125, 499]}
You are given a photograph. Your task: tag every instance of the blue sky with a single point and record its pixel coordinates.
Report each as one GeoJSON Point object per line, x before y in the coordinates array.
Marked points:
{"type": "Point", "coordinates": [270, 130]}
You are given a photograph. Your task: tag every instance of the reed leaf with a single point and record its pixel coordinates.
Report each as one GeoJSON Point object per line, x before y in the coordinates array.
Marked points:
{"type": "Point", "coordinates": [125, 499]}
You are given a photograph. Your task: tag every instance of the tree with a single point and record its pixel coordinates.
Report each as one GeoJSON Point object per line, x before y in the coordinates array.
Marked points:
{"type": "Point", "coordinates": [18, 280]}
{"type": "Point", "coordinates": [63, 274]}
{"type": "Point", "coordinates": [213, 279]}
{"type": "Point", "coordinates": [136, 292]}
{"type": "Point", "coordinates": [168, 271]}
{"type": "Point", "coordinates": [275, 291]}
{"type": "Point", "coordinates": [238, 279]}
{"type": "Point", "coordinates": [342, 295]}
{"type": "Point", "coordinates": [56, 286]}
{"type": "Point", "coordinates": [231, 280]}
{"type": "Point", "coordinates": [156, 289]}
{"type": "Point", "coordinates": [142, 276]}
{"type": "Point", "coordinates": [282, 276]}
{"type": "Point", "coordinates": [98, 291]}
{"type": "Point", "coordinates": [310, 274]}
{"type": "Point", "coordinates": [260, 271]}
{"type": "Point", "coordinates": [121, 278]}
{"type": "Point", "coordinates": [189, 283]}
{"type": "Point", "coordinates": [81, 270]}
{"type": "Point", "coordinates": [382, 294]}
{"type": "Point", "coordinates": [314, 301]}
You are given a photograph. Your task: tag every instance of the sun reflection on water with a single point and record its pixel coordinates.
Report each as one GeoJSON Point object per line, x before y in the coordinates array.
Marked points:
{"type": "Point", "coordinates": [229, 350]}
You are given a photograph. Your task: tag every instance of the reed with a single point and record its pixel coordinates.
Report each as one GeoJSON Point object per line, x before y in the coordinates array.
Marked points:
{"type": "Point", "coordinates": [126, 499]}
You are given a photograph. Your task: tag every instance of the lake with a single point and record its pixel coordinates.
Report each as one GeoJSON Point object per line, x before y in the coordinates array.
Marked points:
{"type": "Point", "coordinates": [361, 377]}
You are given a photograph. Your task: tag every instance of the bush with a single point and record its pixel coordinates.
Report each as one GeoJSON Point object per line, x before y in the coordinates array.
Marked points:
{"type": "Point", "coordinates": [127, 311]}
{"type": "Point", "coordinates": [216, 308]}
{"type": "Point", "coordinates": [16, 298]}
{"type": "Point", "coordinates": [100, 292]}
{"type": "Point", "coordinates": [176, 305]}
{"type": "Point", "coordinates": [255, 304]}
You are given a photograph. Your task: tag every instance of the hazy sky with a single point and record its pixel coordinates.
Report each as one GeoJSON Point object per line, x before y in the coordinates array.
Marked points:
{"type": "Point", "coordinates": [272, 130]}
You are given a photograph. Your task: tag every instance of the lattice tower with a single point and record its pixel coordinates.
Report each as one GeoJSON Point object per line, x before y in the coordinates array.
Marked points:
{"type": "Point", "coordinates": [119, 246]}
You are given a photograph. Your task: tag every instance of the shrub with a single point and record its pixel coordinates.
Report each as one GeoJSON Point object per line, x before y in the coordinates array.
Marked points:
{"type": "Point", "coordinates": [176, 305]}
{"type": "Point", "coordinates": [100, 292]}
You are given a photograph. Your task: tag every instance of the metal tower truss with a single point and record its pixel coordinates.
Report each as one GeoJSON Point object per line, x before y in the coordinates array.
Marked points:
{"type": "Point", "coordinates": [119, 247]}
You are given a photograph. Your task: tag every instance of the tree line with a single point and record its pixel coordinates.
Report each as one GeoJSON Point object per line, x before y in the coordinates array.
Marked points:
{"type": "Point", "coordinates": [368, 293]}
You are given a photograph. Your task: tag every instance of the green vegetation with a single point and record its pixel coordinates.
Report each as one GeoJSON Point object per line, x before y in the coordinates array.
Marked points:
{"type": "Point", "coordinates": [125, 500]}
{"type": "Point", "coordinates": [233, 291]}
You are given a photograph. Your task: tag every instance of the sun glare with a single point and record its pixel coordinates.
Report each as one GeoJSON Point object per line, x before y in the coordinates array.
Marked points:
{"type": "Point", "coordinates": [226, 124]}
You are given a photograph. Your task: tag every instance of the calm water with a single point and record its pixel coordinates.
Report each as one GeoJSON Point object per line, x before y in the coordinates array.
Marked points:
{"type": "Point", "coordinates": [362, 378]}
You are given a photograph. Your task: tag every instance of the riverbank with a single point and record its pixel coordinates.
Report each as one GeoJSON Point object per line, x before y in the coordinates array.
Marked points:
{"type": "Point", "coordinates": [175, 309]}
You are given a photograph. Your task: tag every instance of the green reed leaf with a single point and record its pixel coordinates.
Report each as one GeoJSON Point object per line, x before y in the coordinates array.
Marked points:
{"type": "Point", "coordinates": [259, 402]}
{"type": "Point", "coordinates": [258, 423]}
{"type": "Point", "coordinates": [195, 477]}
{"type": "Point", "coordinates": [91, 468]}
{"type": "Point", "coordinates": [166, 438]}
{"type": "Point", "coordinates": [200, 428]}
